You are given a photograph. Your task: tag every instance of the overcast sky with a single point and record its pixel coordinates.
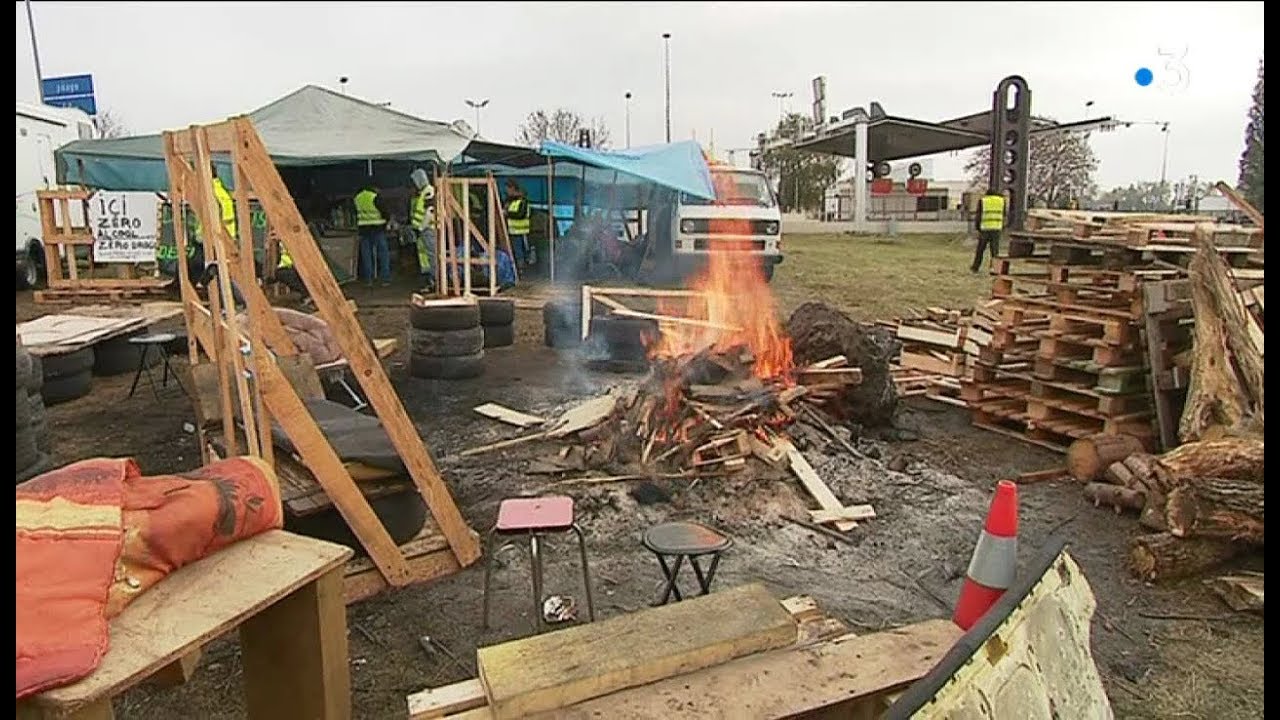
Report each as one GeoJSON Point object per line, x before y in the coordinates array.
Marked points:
{"type": "Point", "coordinates": [922, 60]}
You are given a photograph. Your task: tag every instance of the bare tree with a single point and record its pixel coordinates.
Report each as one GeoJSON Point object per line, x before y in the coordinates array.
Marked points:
{"type": "Point", "coordinates": [1061, 169]}
{"type": "Point", "coordinates": [110, 125]}
{"type": "Point", "coordinates": [561, 125]}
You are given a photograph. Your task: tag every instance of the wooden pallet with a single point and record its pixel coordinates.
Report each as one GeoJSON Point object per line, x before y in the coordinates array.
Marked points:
{"type": "Point", "coordinates": [72, 295]}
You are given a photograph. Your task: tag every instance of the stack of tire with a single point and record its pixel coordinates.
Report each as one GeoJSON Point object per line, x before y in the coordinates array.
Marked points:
{"type": "Point", "coordinates": [497, 320]}
{"type": "Point", "coordinates": [31, 431]}
{"type": "Point", "coordinates": [67, 376]}
{"type": "Point", "coordinates": [620, 343]}
{"type": "Point", "coordinates": [446, 340]}
{"type": "Point", "coordinates": [561, 323]}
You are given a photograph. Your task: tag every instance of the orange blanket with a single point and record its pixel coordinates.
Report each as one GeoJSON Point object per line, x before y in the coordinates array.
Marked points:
{"type": "Point", "coordinates": [94, 535]}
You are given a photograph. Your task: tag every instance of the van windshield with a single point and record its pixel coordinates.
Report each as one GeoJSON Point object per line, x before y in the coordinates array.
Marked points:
{"type": "Point", "coordinates": [736, 188]}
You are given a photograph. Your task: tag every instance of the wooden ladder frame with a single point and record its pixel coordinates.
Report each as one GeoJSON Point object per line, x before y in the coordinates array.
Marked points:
{"type": "Point", "coordinates": [252, 381]}
{"type": "Point", "coordinates": [448, 208]}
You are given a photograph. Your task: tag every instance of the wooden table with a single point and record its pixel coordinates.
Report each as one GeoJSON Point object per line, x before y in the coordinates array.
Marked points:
{"type": "Point", "coordinates": [284, 593]}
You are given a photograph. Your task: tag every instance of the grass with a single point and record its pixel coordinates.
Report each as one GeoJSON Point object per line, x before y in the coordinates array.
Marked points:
{"type": "Point", "coordinates": [873, 277]}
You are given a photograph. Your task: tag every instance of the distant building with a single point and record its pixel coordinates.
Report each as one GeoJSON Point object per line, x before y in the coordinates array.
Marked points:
{"type": "Point", "coordinates": [890, 197]}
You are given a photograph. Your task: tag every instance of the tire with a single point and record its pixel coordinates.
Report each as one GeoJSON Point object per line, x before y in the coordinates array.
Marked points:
{"type": "Point", "coordinates": [62, 389]}
{"type": "Point", "coordinates": [402, 513]}
{"type": "Point", "coordinates": [446, 368]}
{"type": "Point", "coordinates": [118, 356]}
{"type": "Point", "coordinates": [561, 321]}
{"type": "Point", "coordinates": [67, 364]}
{"type": "Point", "coordinates": [35, 380]}
{"type": "Point", "coordinates": [22, 412]}
{"type": "Point", "coordinates": [25, 452]}
{"type": "Point", "coordinates": [22, 367]}
{"type": "Point", "coordinates": [31, 273]}
{"type": "Point", "coordinates": [497, 311]}
{"type": "Point", "coordinates": [561, 338]}
{"type": "Point", "coordinates": [768, 271]}
{"type": "Point", "coordinates": [618, 331]}
{"type": "Point", "coordinates": [499, 335]}
{"type": "Point", "coordinates": [446, 343]}
{"type": "Point", "coordinates": [444, 317]}
{"type": "Point", "coordinates": [40, 465]}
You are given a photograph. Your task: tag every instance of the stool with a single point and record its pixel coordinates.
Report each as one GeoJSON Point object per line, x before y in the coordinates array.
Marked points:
{"type": "Point", "coordinates": [685, 540]}
{"type": "Point", "coordinates": [536, 517]}
{"type": "Point", "coordinates": [159, 341]}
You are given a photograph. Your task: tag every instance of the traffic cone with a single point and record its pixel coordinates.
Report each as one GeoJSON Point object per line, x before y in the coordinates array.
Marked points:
{"type": "Point", "coordinates": [995, 559]}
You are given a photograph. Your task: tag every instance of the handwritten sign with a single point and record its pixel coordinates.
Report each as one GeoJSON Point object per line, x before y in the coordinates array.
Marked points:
{"type": "Point", "coordinates": [124, 226]}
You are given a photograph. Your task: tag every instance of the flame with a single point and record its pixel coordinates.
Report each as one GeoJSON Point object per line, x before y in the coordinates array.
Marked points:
{"type": "Point", "coordinates": [740, 306]}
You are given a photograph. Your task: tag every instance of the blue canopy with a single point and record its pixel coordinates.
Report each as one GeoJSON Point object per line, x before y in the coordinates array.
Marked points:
{"type": "Point", "coordinates": [679, 166]}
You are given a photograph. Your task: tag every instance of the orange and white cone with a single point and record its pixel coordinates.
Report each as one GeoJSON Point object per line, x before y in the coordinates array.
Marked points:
{"type": "Point", "coordinates": [995, 559]}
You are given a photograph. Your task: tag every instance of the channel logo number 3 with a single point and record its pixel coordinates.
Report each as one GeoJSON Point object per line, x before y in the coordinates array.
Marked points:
{"type": "Point", "coordinates": [1172, 75]}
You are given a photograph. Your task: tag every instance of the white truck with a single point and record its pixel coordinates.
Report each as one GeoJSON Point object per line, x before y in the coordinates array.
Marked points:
{"type": "Point", "coordinates": [743, 219]}
{"type": "Point", "coordinates": [41, 130]}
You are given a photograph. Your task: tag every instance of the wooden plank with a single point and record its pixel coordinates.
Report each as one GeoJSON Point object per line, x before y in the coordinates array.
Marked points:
{"type": "Point", "coordinates": [851, 513]}
{"type": "Point", "coordinates": [294, 655]}
{"type": "Point", "coordinates": [331, 303]}
{"type": "Point", "coordinates": [508, 416]}
{"type": "Point", "coordinates": [547, 672]}
{"type": "Point", "coordinates": [814, 485]}
{"type": "Point", "coordinates": [803, 608]}
{"type": "Point", "coordinates": [196, 604]}
{"type": "Point", "coordinates": [948, 339]}
{"type": "Point", "coordinates": [448, 699]}
{"type": "Point", "coordinates": [848, 677]}
{"type": "Point", "coordinates": [584, 415]}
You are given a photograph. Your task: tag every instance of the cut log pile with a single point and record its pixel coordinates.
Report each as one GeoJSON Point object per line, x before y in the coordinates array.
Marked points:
{"type": "Point", "coordinates": [1070, 353]}
{"type": "Point", "coordinates": [1203, 500]}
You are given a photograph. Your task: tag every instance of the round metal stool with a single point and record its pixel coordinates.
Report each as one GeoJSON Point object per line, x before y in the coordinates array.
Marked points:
{"type": "Point", "coordinates": [682, 540]}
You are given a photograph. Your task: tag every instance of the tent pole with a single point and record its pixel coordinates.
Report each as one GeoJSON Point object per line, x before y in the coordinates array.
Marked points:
{"type": "Point", "coordinates": [582, 195]}
{"type": "Point", "coordinates": [551, 217]}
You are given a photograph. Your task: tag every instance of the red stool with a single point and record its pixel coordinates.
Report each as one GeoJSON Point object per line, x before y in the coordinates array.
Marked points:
{"type": "Point", "coordinates": [536, 517]}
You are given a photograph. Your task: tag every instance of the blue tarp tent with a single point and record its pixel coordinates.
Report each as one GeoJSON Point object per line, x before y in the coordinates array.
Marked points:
{"type": "Point", "coordinates": [678, 166]}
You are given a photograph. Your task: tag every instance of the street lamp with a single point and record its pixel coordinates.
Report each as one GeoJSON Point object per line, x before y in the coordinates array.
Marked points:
{"type": "Point", "coordinates": [628, 122]}
{"type": "Point", "coordinates": [782, 98]}
{"type": "Point", "coordinates": [666, 42]}
{"type": "Point", "coordinates": [478, 105]}
{"type": "Point", "coordinates": [1164, 156]}
{"type": "Point", "coordinates": [35, 51]}
{"type": "Point", "coordinates": [342, 83]}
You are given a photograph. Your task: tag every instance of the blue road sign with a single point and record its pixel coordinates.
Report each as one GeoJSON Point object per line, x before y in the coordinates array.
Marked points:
{"type": "Point", "coordinates": [73, 91]}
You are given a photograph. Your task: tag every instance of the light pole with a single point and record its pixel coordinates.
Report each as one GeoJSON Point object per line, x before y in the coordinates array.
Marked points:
{"type": "Point", "coordinates": [782, 99]}
{"type": "Point", "coordinates": [478, 105]}
{"type": "Point", "coordinates": [35, 51]}
{"type": "Point", "coordinates": [666, 42]}
{"type": "Point", "coordinates": [628, 121]}
{"type": "Point", "coordinates": [1164, 156]}
{"type": "Point", "coordinates": [342, 83]}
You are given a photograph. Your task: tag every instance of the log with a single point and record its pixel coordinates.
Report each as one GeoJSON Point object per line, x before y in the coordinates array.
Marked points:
{"type": "Point", "coordinates": [1149, 474]}
{"type": "Point", "coordinates": [1118, 474]}
{"type": "Point", "coordinates": [1088, 457]}
{"type": "Point", "coordinates": [1153, 514]}
{"type": "Point", "coordinates": [1161, 556]}
{"type": "Point", "coordinates": [1217, 508]}
{"type": "Point", "coordinates": [1116, 497]}
{"type": "Point", "coordinates": [1232, 458]}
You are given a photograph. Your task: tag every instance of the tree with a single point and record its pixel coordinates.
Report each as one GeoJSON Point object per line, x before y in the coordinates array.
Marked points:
{"type": "Point", "coordinates": [1060, 164]}
{"type": "Point", "coordinates": [802, 178]}
{"type": "Point", "coordinates": [1147, 196]}
{"type": "Point", "coordinates": [1250, 183]}
{"type": "Point", "coordinates": [110, 125]}
{"type": "Point", "coordinates": [561, 125]}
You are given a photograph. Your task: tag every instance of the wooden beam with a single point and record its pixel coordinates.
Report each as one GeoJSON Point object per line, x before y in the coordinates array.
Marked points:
{"type": "Point", "coordinates": [817, 489]}
{"type": "Point", "coordinates": [446, 700]}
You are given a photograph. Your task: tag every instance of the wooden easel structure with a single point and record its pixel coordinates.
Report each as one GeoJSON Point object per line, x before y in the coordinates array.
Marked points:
{"type": "Point", "coordinates": [61, 236]}
{"type": "Point", "coordinates": [252, 387]}
{"type": "Point", "coordinates": [448, 209]}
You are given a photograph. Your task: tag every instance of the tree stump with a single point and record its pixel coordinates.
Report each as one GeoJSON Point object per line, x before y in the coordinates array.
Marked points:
{"type": "Point", "coordinates": [1088, 457]}
{"type": "Point", "coordinates": [1162, 556]}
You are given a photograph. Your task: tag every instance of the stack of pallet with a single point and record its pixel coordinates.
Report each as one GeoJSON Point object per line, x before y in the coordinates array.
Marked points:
{"type": "Point", "coordinates": [1067, 356]}
{"type": "Point", "coordinates": [937, 345]}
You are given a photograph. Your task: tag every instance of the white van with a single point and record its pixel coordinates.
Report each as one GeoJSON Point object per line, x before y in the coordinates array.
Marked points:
{"type": "Point", "coordinates": [744, 218]}
{"type": "Point", "coordinates": [41, 130]}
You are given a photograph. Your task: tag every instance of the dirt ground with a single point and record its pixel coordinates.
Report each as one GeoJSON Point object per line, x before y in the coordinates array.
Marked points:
{"type": "Point", "coordinates": [1167, 651]}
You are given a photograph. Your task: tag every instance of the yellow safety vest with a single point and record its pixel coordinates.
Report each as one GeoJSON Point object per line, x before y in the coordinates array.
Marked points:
{"type": "Point", "coordinates": [367, 212]}
{"type": "Point", "coordinates": [992, 207]}
{"type": "Point", "coordinates": [285, 260]}
{"type": "Point", "coordinates": [418, 216]}
{"type": "Point", "coordinates": [228, 205]}
{"type": "Point", "coordinates": [517, 226]}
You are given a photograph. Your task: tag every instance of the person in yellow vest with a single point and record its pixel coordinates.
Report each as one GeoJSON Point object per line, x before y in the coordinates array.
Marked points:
{"type": "Point", "coordinates": [288, 274]}
{"type": "Point", "coordinates": [422, 221]}
{"type": "Point", "coordinates": [990, 221]}
{"type": "Point", "coordinates": [227, 213]}
{"type": "Point", "coordinates": [518, 223]}
{"type": "Point", "coordinates": [371, 226]}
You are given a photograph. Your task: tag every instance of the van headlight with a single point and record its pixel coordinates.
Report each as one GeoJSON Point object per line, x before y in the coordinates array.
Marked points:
{"type": "Point", "coordinates": [771, 228]}
{"type": "Point", "coordinates": [687, 227]}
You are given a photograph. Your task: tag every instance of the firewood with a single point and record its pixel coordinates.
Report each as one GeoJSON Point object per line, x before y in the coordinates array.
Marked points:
{"type": "Point", "coordinates": [1088, 457]}
{"type": "Point", "coordinates": [1217, 508]}
{"type": "Point", "coordinates": [1234, 458]}
{"type": "Point", "coordinates": [1116, 497]}
{"type": "Point", "coordinates": [1149, 474]}
{"type": "Point", "coordinates": [831, 362]}
{"type": "Point", "coordinates": [1118, 474]}
{"type": "Point", "coordinates": [1162, 556]}
{"type": "Point", "coordinates": [1152, 516]}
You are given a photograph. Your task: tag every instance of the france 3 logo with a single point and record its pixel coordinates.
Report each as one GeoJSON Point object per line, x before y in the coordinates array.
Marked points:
{"type": "Point", "coordinates": [1167, 71]}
